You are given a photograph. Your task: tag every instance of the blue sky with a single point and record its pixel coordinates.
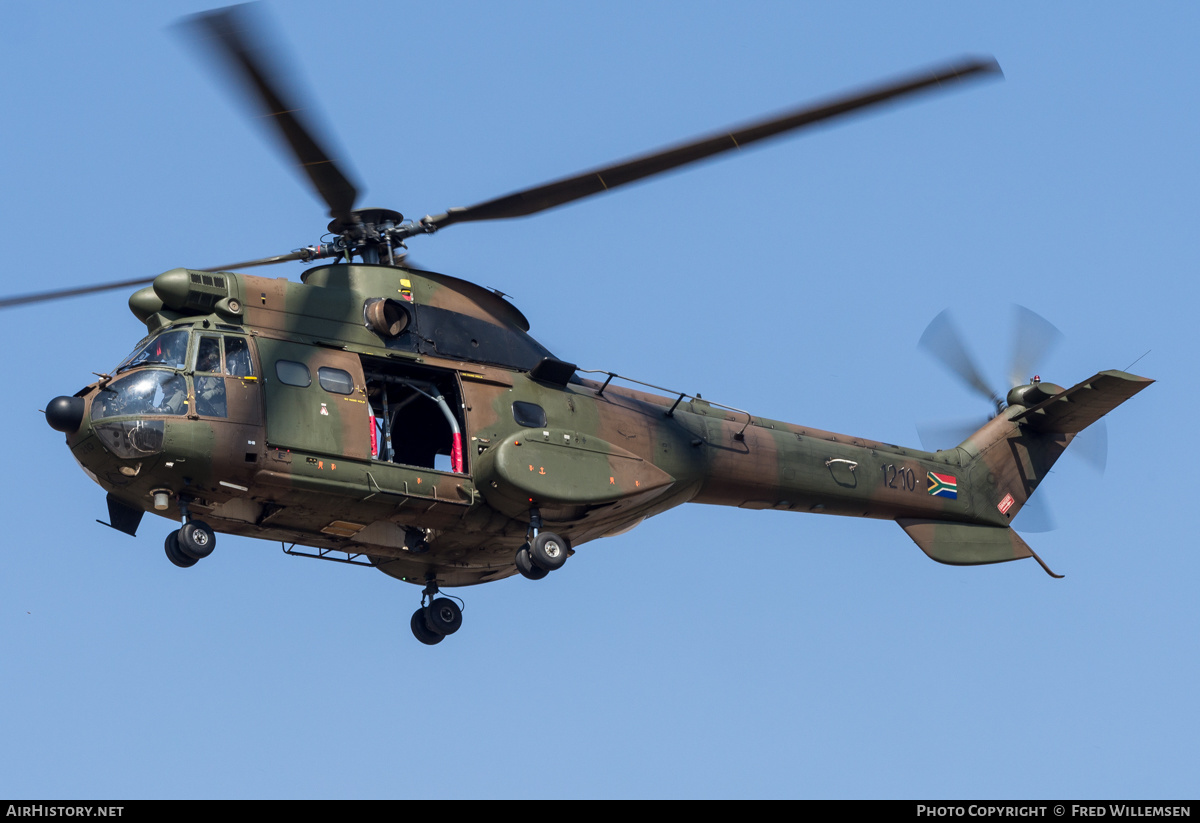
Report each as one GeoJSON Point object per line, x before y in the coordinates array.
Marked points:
{"type": "Point", "coordinates": [711, 651]}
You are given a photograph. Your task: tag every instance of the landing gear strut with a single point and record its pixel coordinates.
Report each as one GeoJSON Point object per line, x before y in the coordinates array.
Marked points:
{"type": "Point", "coordinates": [190, 543]}
{"type": "Point", "coordinates": [434, 622]}
{"type": "Point", "coordinates": [543, 552]}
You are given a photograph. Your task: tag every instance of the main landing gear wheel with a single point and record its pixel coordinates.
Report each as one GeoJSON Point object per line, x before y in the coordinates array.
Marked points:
{"type": "Point", "coordinates": [543, 552]}
{"type": "Point", "coordinates": [443, 616]}
{"type": "Point", "coordinates": [548, 551]}
{"type": "Point", "coordinates": [432, 623]}
{"type": "Point", "coordinates": [422, 631]}
{"type": "Point", "coordinates": [525, 565]}
{"type": "Point", "coordinates": [175, 553]}
{"type": "Point", "coordinates": [197, 539]}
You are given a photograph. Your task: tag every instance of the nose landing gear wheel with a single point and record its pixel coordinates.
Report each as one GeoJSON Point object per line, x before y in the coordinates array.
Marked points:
{"type": "Point", "coordinates": [197, 539]}
{"type": "Point", "coordinates": [175, 554]}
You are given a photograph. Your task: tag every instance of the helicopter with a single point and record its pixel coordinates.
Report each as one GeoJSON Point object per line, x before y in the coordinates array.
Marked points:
{"type": "Point", "coordinates": [381, 414]}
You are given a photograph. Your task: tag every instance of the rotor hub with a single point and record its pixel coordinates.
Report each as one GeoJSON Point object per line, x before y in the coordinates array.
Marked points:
{"type": "Point", "coordinates": [366, 220]}
{"type": "Point", "coordinates": [372, 234]}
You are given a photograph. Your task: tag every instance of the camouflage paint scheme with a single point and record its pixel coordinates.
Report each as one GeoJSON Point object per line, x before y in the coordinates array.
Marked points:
{"type": "Point", "coordinates": [294, 463]}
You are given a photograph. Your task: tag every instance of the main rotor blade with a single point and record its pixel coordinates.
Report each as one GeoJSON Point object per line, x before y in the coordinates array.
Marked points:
{"type": "Point", "coordinates": [238, 43]}
{"type": "Point", "coordinates": [942, 340]}
{"type": "Point", "coordinates": [1034, 337]}
{"type": "Point", "coordinates": [540, 198]}
{"type": "Point", "coordinates": [61, 294]}
{"type": "Point", "coordinates": [262, 261]}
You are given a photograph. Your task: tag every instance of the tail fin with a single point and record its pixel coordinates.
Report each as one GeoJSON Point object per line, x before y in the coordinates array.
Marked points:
{"type": "Point", "coordinates": [1016, 450]}
{"type": "Point", "coordinates": [1073, 410]}
{"type": "Point", "coordinates": [1009, 457]}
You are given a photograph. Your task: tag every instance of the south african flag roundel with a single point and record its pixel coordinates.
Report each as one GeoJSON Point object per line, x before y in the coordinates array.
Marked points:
{"type": "Point", "coordinates": [943, 485]}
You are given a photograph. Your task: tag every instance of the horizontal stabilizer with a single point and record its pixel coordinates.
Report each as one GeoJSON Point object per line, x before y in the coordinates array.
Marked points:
{"type": "Point", "coordinates": [965, 544]}
{"type": "Point", "coordinates": [1083, 404]}
{"type": "Point", "coordinates": [968, 544]}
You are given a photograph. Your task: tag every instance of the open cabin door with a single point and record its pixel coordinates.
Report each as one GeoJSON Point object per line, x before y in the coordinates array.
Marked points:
{"type": "Point", "coordinates": [394, 416]}
{"type": "Point", "coordinates": [416, 415]}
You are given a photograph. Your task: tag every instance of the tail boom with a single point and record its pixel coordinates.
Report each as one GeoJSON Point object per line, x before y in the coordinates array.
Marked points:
{"type": "Point", "coordinates": [956, 505]}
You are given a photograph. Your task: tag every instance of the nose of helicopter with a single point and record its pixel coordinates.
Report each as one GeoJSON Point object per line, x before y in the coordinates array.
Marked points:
{"type": "Point", "coordinates": [65, 414]}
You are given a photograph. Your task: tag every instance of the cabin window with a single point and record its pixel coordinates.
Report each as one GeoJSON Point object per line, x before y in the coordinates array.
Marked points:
{"type": "Point", "coordinates": [293, 373]}
{"type": "Point", "coordinates": [529, 415]}
{"type": "Point", "coordinates": [335, 380]}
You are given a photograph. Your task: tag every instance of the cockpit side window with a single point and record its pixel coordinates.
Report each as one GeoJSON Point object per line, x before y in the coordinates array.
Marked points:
{"type": "Point", "coordinates": [234, 360]}
{"type": "Point", "coordinates": [208, 354]}
{"type": "Point", "coordinates": [237, 357]}
{"type": "Point", "coordinates": [210, 396]}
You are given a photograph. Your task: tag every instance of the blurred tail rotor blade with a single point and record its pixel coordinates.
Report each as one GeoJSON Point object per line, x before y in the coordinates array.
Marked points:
{"type": "Point", "coordinates": [1035, 516]}
{"type": "Point", "coordinates": [946, 434]}
{"type": "Point", "coordinates": [942, 340]}
{"type": "Point", "coordinates": [1034, 337]}
{"type": "Point", "coordinates": [1091, 445]}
